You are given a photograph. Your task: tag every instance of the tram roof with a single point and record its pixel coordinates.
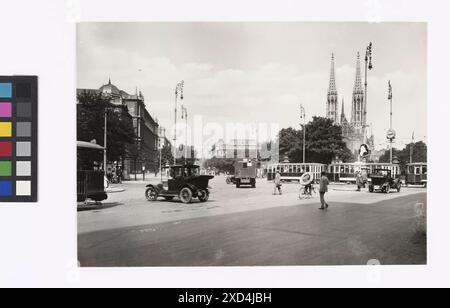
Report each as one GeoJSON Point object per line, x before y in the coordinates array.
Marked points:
{"type": "Point", "coordinates": [364, 164]}
{"type": "Point", "coordinates": [298, 164]}
{"type": "Point", "coordinates": [417, 164]}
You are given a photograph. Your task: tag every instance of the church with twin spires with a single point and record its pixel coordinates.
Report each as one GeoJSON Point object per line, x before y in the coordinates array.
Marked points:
{"type": "Point", "coordinates": [353, 131]}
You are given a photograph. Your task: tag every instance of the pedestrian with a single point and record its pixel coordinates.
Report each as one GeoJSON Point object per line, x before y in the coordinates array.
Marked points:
{"type": "Point", "coordinates": [277, 184]}
{"type": "Point", "coordinates": [358, 181]}
{"type": "Point", "coordinates": [119, 175]}
{"type": "Point", "coordinates": [324, 182]}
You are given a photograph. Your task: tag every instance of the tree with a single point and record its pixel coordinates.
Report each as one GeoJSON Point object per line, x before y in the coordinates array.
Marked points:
{"type": "Point", "coordinates": [90, 124]}
{"type": "Point", "coordinates": [324, 142]}
{"type": "Point", "coordinates": [403, 156]}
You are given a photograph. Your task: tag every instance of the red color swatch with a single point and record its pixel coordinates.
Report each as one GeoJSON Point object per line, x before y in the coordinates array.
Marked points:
{"type": "Point", "coordinates": [5, 149]}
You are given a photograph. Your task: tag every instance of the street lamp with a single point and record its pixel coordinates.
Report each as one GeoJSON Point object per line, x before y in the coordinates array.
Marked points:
{"type": "Point", "coordinates": [179, 90]}
{"type": "Point", "coordinates": [184, 115]}
{"type": "Point", "coordinates": [303, 116]}
{"type": "Point", "coordinates": [162, 135]}
{"type": "Point", "coordinates": [391, 133]}
{"type": "Point", "coordinates": [369, 66]}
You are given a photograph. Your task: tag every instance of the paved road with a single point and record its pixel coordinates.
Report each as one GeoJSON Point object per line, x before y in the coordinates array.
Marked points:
{"type": "Point", "coordinates": [254, 228]}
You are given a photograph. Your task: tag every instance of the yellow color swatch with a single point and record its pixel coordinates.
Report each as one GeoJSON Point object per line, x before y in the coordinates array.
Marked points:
{"type": "Point", "coordinates": [5, 129]}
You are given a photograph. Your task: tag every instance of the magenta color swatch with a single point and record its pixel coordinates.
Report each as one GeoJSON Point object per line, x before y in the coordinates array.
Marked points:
{"type": "Point", "coordinates": [5, 110]}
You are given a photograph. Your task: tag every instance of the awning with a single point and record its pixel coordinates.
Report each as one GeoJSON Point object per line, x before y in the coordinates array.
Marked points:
{"type": "Point", "coordinates": [88, 145]}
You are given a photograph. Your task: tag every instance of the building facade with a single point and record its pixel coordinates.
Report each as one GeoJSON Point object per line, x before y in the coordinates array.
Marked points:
{"type": "Point", "coordinates": [236, 149]}
{"type": "Point", "coordinates": [144, 154]}
{"type": "Point", "coordinates": [354, 132]}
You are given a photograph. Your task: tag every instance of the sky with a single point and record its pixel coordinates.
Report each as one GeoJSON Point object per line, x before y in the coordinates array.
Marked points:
{"type": "Point", "coordinates": [260, 72]}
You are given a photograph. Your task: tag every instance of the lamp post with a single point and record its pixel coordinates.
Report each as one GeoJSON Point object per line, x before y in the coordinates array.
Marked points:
{"type": "Point", "coordinates": [391, 133]}
{"type": "Point", "coordinates": [179, 90]}
{"type": "Point", "coordinates": [162, 135]}
{"type": "Point", "coordinates": [303, 116]}
{"type": "Point", "coordinates": [104, 140]}
{"type": "Point", "coordinates": [184, 115]}
{"type": "Point", "coordinates": [368, 66]}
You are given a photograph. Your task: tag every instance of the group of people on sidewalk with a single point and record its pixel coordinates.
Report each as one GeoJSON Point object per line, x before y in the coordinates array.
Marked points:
{"type": "Point", "coordinates": [323, 188]}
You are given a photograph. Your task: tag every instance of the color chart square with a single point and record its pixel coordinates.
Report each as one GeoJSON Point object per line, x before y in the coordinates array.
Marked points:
{"type": "Point", "coordinates": [23, 168]}
{"type": "Point", "coordinates": [5, 110]}
{"type": "Point", "coordinates": [5, 129]}
{"type": "Point", "coordinates": [23, 129]}
{"type": "Point", "coordinates": [5, 188]}
{"type": "Point", "coordinates": [23, 90]}
{"type": "Point", "coordinates": [23, 188]}
{"type": "Point", "coordinates": [5, 90]}
{"type": "Point", "coordinates": [5, 149]}
{"type": "Point", "coordinates": [5, 168]}
{"type": "Point", "coordinates": [23, 149]}
{"type": "Point", "coordinates": [23, 110]}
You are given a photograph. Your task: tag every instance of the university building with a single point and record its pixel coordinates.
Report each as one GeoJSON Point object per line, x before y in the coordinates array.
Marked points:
{"type": "Point", "coordinates": [143, 155]}
{"type": "Point", "coordinates": [236, 149]}
{"type": "Point", "coordinates": [354, 131]}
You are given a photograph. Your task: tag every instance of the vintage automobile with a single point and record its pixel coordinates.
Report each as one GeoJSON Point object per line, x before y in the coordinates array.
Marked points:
{"type": "Point", "coordinates": [382, 180]}
{"type": "Point", "coordinates": [184, 182]}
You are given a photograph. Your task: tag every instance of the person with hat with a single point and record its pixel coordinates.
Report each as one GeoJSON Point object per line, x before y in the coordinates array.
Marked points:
{"type": "Point", "coordinates": [277, 184]}
{"type": "Point", "coordinates": [324, 182]}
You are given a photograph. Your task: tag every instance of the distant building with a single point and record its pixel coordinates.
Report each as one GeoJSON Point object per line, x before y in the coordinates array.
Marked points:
{"type": "Point", "coordinates": [145, 153]}
{"type": "Point", "coordinates": [353, 131]}
{"type": "Point", "coordinates": [236, 148]}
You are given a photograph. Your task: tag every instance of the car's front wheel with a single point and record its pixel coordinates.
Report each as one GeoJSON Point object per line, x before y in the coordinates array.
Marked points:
{"type": "Point", "coordinates": [203, 196]}
{"type": "Point", "coordinates": [186, 195]}
{"type": "Point", "coordinates": [151, 194]}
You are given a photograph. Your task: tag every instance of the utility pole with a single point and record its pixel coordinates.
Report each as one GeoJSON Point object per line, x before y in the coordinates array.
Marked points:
{"type": "Point", "coordinates": [303, 116]}
{"type": "Point", "coordinates": [369, 66]}
{"type": "Point", "coordinates": [411, 150]}
{"type": "Point", "coordinates": [178, 90]}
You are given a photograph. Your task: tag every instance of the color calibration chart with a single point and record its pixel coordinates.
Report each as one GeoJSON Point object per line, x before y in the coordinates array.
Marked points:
{"type": "Point", "coordinates": [18, 138]}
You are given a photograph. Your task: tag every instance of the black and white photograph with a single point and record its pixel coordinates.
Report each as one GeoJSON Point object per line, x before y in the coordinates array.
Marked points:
{"type": "Point", "coordinates": [241, 144]}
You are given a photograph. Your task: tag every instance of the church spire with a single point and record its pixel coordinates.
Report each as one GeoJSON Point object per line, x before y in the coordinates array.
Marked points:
{"type": "Point", "coordinates": [332, 97]}
{"type": "Point", "coordinates": [332, 87]}
{"type": "Point", "coordinates": [358, 83]}
{"type": "Point", "coordinates": [343, 118]}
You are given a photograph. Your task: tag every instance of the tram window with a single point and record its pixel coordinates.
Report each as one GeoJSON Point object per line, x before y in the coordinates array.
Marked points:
{"type": "Point", "coordinates": [424, 170]}
{"type": "Point", "coordinates": [342, 169]}
{"type": "Point", "coordinates": [307, 168]}
{"type": "Point", "coordinates": [352, 170]}
{"type": "Point", "coordinates": [417, 170]}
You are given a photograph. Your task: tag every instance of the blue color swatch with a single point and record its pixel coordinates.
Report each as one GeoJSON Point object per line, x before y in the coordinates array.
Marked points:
{"type": "Point", "coordinates": [5, 188]}
{"type": "Point", "coordinates": [5, 90]}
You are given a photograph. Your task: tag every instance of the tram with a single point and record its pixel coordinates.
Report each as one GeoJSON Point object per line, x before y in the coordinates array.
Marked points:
{"type": "Point", "coordinates": [346, 172]}
{"type": "Point", "coordinates": [90, 179]}
{"type": "Point", "coordinates": [293, 172]}
{"type": "Point", "coordinates": [416, 174]}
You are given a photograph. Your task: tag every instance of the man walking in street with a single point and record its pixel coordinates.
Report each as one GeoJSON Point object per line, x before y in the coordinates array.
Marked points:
{"type": "Point", "coordinates": [323, 190]}
{"type": "Point", "coordinates": [277, 184]}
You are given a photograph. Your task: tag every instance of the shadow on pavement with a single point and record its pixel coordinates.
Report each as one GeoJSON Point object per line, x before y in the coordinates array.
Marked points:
{"type": "Point", "coordinates": [99, 206]}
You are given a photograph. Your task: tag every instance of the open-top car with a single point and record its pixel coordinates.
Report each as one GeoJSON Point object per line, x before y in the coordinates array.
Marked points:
{"type": "Point", "coordinates": [184, 182]}
{"type": "Point", "coordinates": [382, 180]}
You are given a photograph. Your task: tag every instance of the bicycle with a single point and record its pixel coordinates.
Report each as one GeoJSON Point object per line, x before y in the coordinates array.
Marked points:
{"type": "Point", "coordinates": [307, 193]}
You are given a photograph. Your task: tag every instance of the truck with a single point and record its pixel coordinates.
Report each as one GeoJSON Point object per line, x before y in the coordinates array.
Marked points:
{"type": "Point", "coordinates": [245, 173]}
